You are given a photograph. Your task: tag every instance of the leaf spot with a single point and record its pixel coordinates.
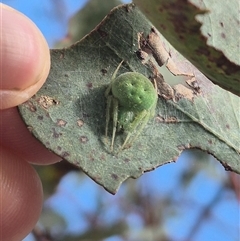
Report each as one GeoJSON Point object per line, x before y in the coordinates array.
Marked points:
{"type": "Point", "coordinates": [83, 139]}
{"type": "Point", "coordinates": [55, 134]}
{"type": "Point", "coordinates": [104, 71]}
{"type": "Point", "coordinates": [31, 106]}
{"type": "Point", "coordinates": [227, 126]}
{"type": "Point", "coordinates": [90, 85]}
{"type": "Point", "coordinates": [80, 123]}
{"type": "Point", "coordinates": [114, 176]}
{"type": "Point", "coordinates": [65, 154]}
{"type": "Point", "coordinates": [47, 101]}
{"type": "Point", "coordinates": [61, 122]}
{"type": "Point", "coordinates": [126, 160]}
{"type": "Point", "coordinates": [223, 35]}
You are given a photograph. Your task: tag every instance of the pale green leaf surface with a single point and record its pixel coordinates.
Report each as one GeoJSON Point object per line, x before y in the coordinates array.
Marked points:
{"type": "Point", "coordinates": [68, 113]}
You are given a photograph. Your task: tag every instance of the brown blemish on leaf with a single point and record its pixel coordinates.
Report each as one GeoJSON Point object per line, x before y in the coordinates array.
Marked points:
{"type": "Point", "coordinates": [142, 55]}
{"type": "Point", "coordinates": [183, 92]}
{"type": "Point", "coordinates": [158, 50]}
{"type": "Point", "coordinates": [151, 52]}
{"type": "Point", "coordinates": [163, 88]}
{"type": "Point", "coordinates": [97, 178]}
{"type": "Point", "coordinates": [47, 101]}
{"type": "Point", "coordinates": [126, 160]}
{"type": "Point", "coordinates": [175, 158]}
{"type": "Point", "coordinates": [55, 134]}
{"type": "Point", "coordinates": [226, 166]}
{"type": "Point", "coordinates": [103, 157]}
{"type": "Point", "coordinates": [187, 146]}
{"type": "Point", "coordinates": [40, 117]}
{"type": "Point", "coordinates": [61, 122]}
{"type": "Point", "coordinates": [30, 128]}
{"type": "Point", "coordinates": [91, 157]}
{"type": "Point", "coordinates": [114, 176]}
{"type": "Point", "coordinates": [83, 139]}
{"type": "Point", "coordinates": [129, 7]}
{"type": "Point", "coordinates": [181, 147]}
{"type": "Point", "coordinates": [167, 119]}
{"type": "Point", "coordinates": [223, 35]}
{"type": "Point", "coordinates": [104, 71]}
{"type": "Point", "coordinates": [154, 45]}
{"type": "Point", "coordinates": [30, 106]}
{"type": "Point", "coordinates": [85, 115]}
{"type": "Point", "coordinates": [65, 154]}
{"type": "Point", "coordinates": [80, 123]}
{"type": "Point", "coordinates": [89, 85]}
{"type": "Point", "coordinates": [194, 84]}
{"type": "Point", "coordinates": [102, 33]}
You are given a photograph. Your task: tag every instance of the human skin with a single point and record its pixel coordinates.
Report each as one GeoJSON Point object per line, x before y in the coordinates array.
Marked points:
{"type": "Point", "coordinates": [24, 67]}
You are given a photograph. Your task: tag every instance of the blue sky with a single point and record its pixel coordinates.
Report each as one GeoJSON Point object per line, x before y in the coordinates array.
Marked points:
{"type": "Point", "coordinates": [52, 21]}
{"type": "Point", "coordinates": [77, 195]}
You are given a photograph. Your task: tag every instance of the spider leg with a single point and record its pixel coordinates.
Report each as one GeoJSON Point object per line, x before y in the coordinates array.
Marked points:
{"type": "Point", "coordinates": [108, 115]}
{"type": "Point", "coordinates": [107, 91]}
{"type": "Point", "coordinates": [109, 88]}
{"type": "Point", "coordinates": [115, 120]}
{"type": "Point", "coordinates": [115, 72]}
{"type": "Point", "coordinates": [142, 125]}
{"type": "Point", "coordinates": [140, 121]}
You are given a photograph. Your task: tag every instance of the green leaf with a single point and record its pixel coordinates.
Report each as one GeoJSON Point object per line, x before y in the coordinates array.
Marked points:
{"type": "Point", "coordinates": [68, 113]}
{"type": "Point", "coordinates": [206, 32]}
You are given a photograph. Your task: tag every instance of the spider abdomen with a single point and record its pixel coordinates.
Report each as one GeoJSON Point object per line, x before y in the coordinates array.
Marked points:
{"type": "Point", "coordinates": [134, 92]}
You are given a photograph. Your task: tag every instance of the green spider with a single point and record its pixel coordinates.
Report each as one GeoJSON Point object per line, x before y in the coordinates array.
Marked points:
{"type": "Point", "coordinates": [131, 102]}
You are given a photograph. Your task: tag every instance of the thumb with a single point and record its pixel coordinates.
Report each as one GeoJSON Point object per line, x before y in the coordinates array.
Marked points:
{"type": "Point", "coordinates": [24, 58]}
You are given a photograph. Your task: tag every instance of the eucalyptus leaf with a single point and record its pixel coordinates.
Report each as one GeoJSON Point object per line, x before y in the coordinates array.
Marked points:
{"type": "Point", "coordinates": [205, 32]}
{"type": "Point", "coordinates": [68, 113]}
